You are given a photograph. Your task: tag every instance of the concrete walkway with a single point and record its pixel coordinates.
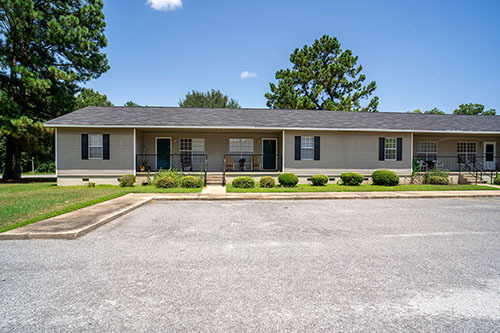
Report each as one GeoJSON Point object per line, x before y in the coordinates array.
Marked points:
{"type": "Point", "coordinates": [214, 189]}
{"type": "Point", "coordinates": [77, 223]}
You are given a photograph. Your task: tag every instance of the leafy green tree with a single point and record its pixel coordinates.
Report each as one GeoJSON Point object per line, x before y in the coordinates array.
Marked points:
{"type": "Point", "coordinates": [432, 111]}
{"type": "Point", "coordinates": [210, 99]}
{"type": "Point", "coordinates": [474, 109]}
{"type": "Point", "coordinates": [47, 48]}
{"type": "Point", "coordinates": [130, 103]}
{"type": "Point", "coordinates": [90, 97]}
{"type": "Point", "coordinates": [322, 77]}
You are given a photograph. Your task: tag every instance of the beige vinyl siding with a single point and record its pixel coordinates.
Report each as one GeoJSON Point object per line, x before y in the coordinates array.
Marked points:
{"type": "Point", "coordinates": [139, 142]}
{"type": "Point", "coordinates": [216, 143]}
{"type": "Point", "coordinates": [346, 152]}
{"type": "Point", "coordinates": [447, 145]}
{"type": "Point", "coordinates": [69, 158]}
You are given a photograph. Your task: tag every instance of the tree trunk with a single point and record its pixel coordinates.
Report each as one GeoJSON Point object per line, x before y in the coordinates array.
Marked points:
{"type": "Point", "coordinates": [12, 159]}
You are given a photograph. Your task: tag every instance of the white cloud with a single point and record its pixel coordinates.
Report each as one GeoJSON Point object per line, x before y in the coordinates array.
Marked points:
{"type": "Point", "coordinates": [165, 4]}
{"type": "Point", "coordinates": [247, 74]}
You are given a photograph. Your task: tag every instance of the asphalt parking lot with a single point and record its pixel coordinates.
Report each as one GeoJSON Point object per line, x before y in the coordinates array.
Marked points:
{"type": "Point", "coordinates": [339, 265]}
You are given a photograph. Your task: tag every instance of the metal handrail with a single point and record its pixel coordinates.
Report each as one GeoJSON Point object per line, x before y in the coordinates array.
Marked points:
{"type": "Point", "coordinates": [193, 162]}
{"type": "Point", "coordinates": [249, 164]}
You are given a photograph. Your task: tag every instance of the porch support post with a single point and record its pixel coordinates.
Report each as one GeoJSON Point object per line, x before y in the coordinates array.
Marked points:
{"type": "Point", "coordinates": [56, 150]}
{"type": "Point", "coordinates": [283, 152]}
{"type": "Point", "coordinates": [135, 156]}
{"type": "Point", "coordinates": [411, 154]}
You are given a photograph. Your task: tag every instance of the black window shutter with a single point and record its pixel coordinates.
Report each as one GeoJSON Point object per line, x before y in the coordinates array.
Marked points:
{"type": "Point", "coordinates": [85, 146]}
{"type": "Point", "coordinates": [381, 149]}
{"type": "Point", "coordinates": [105, 146]}
{"type": "Point", "coordinates": [400, 149]}
{"type": "Point", "coordinates": [316, 148]}
{"type": "Point", "coordinates": [298, 146]}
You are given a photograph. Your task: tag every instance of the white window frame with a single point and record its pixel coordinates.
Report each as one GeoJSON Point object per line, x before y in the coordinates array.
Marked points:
{"type": "Point", "coordinates": [240, 149]}
{"type": "Point", "coordinates": [395, 149]}
{"type": "Point", "coordinates": [467, 152]}
{"type": "Point", "coordinates": [303, 140]}
{"type": "Point", "coordinates": [90, 145]}
{"type": "Point", "coordinates": [195, 160]}
{"type": "Point", "coordinates": [426, 153]}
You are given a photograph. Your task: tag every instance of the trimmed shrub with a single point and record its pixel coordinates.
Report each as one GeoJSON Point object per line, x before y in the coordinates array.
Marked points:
{"type": "Point", "coordinates": [351, 179]}
{"type": "Point", "coordinates": [192, 182]}
{"type": "Point", "coordinates": [288, 179]}
{"type": "Point", "coordinates": [127, 180]}
{"type": "Point", "coordinates": [496, 181]}
{"type": "Point", "coordinates": [438, 180]}
{"type": "Point", "coordinates": [168, 179]}
{"type": "Point", "coordinates": [385, 178]}
{"type": "Point", "coordinates": [319, 180]}
{"type": "Point", "coordinates": [90, 184]}
{"type": "Point", "coordinates": [434, 173]}
{"type": "Point", "coordinates": [267, 182]}
{"type": "Point", "coordinates": [167, 182]}
{"type": "Point", "coordinates": [243, 182]}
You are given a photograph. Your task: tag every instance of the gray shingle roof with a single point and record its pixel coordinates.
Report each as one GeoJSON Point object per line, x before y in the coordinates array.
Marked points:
{"type": "Point", "coordinates": [275, 119]}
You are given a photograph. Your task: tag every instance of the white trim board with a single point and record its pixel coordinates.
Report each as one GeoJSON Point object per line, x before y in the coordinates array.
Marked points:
{"type": "Point", "coordinates": [276, 128]}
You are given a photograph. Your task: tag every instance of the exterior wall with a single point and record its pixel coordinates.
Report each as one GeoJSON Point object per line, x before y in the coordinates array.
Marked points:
{"type": "Point", "coordinates": [216, 143]}
{"type": "Point", "coordinates": [346, 152]}
{"type": "Point", "coordinates": [447, 145]}
{"type": "Point", "coordinates": [70, 163]}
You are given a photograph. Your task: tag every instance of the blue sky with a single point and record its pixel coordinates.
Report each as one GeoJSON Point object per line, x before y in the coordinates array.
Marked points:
{"type": "Point", "coordinates": [422, 54]}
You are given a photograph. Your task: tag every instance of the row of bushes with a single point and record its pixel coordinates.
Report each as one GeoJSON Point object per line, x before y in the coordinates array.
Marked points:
{"type": "Point", "coordinates": [380, 177]}
{"type": "Point", "coordinates": [285, 180]}
{"type": "Point", "coordinates": [166, 179]}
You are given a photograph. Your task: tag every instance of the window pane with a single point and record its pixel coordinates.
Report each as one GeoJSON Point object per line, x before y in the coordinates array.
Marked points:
{"type": "Point", "coordinates": [307, 153]}
{"type": "Point", "coordinates": [95, 145]}
{"type": "Point", "coordinates": [95, 152]}
{"type": "Point", "coordinates": [239, 146]}
{"type": "Point", "coordinates": [185, 145]}
{"type": "Point", "coordinates": [390, 154]}
{"type": "Point", "coordinates": [198, 145]}
{"type": "Point", "coordinates": [390, 143]}
{"type": "Point", "coordinates": [95, 140]}
{"type": "Point", "coordinates": [307, 142]}
{"type": "Point", "coordinates": [307, 147]}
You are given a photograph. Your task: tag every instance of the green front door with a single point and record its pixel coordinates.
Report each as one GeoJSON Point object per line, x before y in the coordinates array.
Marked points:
{"type": "Point", "coordinates": [269, 150]}
{"type": "Point", "coordinates": [163, 154]}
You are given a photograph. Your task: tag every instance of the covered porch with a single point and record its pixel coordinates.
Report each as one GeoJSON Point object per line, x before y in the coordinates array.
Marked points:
{"type": "Point", "coordinates": [210, 151]}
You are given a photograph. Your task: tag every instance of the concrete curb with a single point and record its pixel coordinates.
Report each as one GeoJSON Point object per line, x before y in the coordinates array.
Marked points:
{"type": "Point", "coordinates": [80, 222]}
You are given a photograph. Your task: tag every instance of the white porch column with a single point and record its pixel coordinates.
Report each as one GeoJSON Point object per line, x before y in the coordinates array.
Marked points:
{"type": "Point", "coordinates": [135, 156]}
{"type": "Point", "coordinates": [283, 152]}
{"type": "Point", "coordinates": [56, 151]}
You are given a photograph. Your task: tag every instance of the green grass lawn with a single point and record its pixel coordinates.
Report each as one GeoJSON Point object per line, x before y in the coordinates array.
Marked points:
{"type": "Point", "coordinates": [361, 188]}
{"type": "Point", "coordinates": [22, 204]}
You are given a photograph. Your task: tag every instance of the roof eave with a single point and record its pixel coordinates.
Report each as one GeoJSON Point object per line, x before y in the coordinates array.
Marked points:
{"type": "Point", "coordinates": [270, 128]}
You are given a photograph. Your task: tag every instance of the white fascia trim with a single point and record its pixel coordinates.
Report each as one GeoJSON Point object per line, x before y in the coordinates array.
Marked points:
{"type": "Point", "coordinates": [277, 128]}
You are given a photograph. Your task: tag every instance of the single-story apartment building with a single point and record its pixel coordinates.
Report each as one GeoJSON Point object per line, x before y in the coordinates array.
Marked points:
{"type": "Point", "coordinates": [99, 144]}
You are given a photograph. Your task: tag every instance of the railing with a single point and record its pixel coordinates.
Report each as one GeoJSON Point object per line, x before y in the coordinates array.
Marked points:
{"type": "Point", "coordinates": [241, 162]}
{"type": "Point", "coordinates": [185, 162]}
{"type": "Point", "coordinates": [477, 166]}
